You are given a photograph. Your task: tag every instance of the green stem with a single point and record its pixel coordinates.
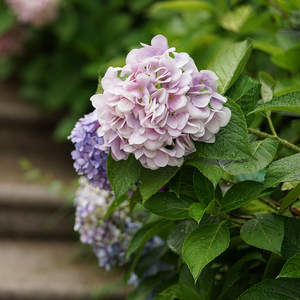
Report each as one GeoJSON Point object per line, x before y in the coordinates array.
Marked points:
{"type": "Point", "coordinates": [227, 180]}
{"type": "Point", "coordinates": [273, 204]}
{"type": "Point", "coordinates": [271, 124]}
{"type": "Point", "coordinates": [281, 141]}
{"type": "Point", "coordinates": [278, 7]}
{"type": "Point", "coordinates": [227, 218]}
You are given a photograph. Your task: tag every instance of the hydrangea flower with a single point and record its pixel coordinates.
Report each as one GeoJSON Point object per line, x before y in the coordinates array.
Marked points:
{"type": "Point", "coordinates": [157, 105]}
{"type": "Point", "coordinates": [89, 160]}
{"type": "Point", "coordinates": [109, 238]}
{"type": "Point", "coordinates": [34, 12]}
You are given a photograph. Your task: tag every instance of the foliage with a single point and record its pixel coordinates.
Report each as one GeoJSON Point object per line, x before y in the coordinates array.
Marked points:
{"type": "Point", "coordinates": [60, 62]}
{"type": "Point", "coordinates": [231, 227]}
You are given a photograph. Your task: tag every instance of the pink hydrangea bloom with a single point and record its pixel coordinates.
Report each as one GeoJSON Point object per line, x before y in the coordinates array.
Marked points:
{"type": "Point", "coordinates": [34, 12]}
{"type": "Point", "coordinates": [157, 105]}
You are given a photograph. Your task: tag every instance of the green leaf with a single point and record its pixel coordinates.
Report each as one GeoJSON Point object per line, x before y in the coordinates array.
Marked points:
{"type": "Point", "coordinates": [275, 289]}
{"type": "Point", "coordinates": [186, 181]}
{"type": "Point", "coordinates": [168, 205]}
{"type": "Point", "coordinates": [289, 60]}
{"type": "Point", "coordinates": [100, 89]}
{"type": "Point", "coordinates": [7, 20]}
{"type": "Point", "coordinates": [134, 199]}
{"type": "Point", "coordinates": [116, 170]}
{"type": "Point", "coordinates": [293, 195]}
{"type": "Point", "coordinates": [268, 47]}
{"type": "Point", "coordinates": [267, 86]}
{"type": "Point", "coordinates": [291, 268]}
{"type": "Point", "coordinates": [263, 152]}
{"type": "Point", "coordinates": [203, 188]}
{"type": "Point", "coordinates": [132, 264]}
{"type": "Point", "coordinates": [153, 180]}
{"type": "Point", "coordinates": [241, 193]}
{"type": "Point", "coordinates": [114, 205]}
{"type": "Point", "coordinates": [208, 168]}
{"type": "Point", "coordinates": [231, 141]}
{"type": "Point", "coordinates": [203, 245]}
{"type": "Point", "coordinates": [178, 235]}
{"type": "Point", "coordinates": [245, 92]}
{"type": "Point", "coordinates": [229, 64]}
{"type": "Point", "coordinates": [197, 211]}
{"type": "Point", "coordinates": [265, 231]}
{"type": "Point", "coordinates": [144, 234]}
{"type": "Point", "coordinates": [205, 282]}
{"type": "Point", "coordinates": [234, 19]}
{"type": "Point", "coordinates": [289, 102]}
{"type": "Point", "coordinates": [146, 286]}
{"type": "Point", "coordinates": [67, 25]}
{"type": "Point", "coordinates": [236, 270]}
{"type": "Point", "coordinates": [274, 265]}
{"type": "Point", "coordinates": [181, 291]}
{"type": "Point", "coordinates": [180, 6]}
{"type": "Point", "coordinates": [282, 170]}
{"type": "Point", "coordinates": [291, 240]}
{"type": "Point", "coordinates": [174, 183]}
{"type": "Point", "coordinates": [149, 258]}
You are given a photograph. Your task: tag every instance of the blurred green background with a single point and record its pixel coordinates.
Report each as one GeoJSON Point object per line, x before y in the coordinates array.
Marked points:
{"type": "Point", "coordinates": [57, 65]}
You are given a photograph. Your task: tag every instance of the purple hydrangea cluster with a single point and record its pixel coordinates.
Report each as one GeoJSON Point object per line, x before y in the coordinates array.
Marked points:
{"type": "Point", "coordinates": [89, 160]}
{"type": "Point", "coordinates": [34, 12]}
{"type": "Point", "coordinates": [109, 237]}
{"type": "Point", "coordinates": [157, 105]}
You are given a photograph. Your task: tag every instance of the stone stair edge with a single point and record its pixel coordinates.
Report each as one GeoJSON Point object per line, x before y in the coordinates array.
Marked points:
{"type": "Point", "coordinates": [50, 272]}
{"type": "Point", "coordinates": [30, 194]}
{"type": "Point", "coordinates": [15, 110]}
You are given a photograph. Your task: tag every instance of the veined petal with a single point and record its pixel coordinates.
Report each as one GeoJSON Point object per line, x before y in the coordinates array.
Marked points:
{"type": "Point", "coordinates": [137, 139]}
{"type": "Point", "coordinates": [201, 100]}
{"type": "Point", "coordinates": [161, 159]}
{"type": "Point", "coordinates": [125, 105]}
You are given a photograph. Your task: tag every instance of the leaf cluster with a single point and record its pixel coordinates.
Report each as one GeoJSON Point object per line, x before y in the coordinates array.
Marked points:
{"type": "Point", "coordinates": [231, 230]}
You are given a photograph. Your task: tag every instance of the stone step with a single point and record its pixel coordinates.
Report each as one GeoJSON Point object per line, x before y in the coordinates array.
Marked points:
{"type": "Point", "coordinates": [30, 210]}
{"type": "Point", "coordinates": [27, 132]}
{"type": "Point", "coordinates": [36, 145]}
{"type": "Point", "coordinates": [46, 270]}
{"type": "Point", "coordinates": [13, 109]}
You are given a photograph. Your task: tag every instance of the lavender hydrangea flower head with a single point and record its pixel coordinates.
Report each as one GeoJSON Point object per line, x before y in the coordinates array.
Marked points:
{"type": "Point", "coordinates": [157, 105]}
{"type": "Point", "coordinates": [34, 12]}
{"type": "Point", "coordinates": [110, 238]}
{"type": "Point", "coordinates": [89, 160]}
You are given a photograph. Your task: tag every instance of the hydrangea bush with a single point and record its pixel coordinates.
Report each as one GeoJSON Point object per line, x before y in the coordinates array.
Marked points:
{"type": "Point", "coordinates": [185, 146]}
{"type": "Point", "coordinates": [36, 13]}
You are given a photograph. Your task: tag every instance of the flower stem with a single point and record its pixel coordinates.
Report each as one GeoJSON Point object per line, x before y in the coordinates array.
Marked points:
{"type": "Point", "coordinates": [272, 203]}
{"type": "Point", "coordinates": [273, 3]}
{"type": "Point", "coordinates": [228, 218]}
{"type": "Point", "coordinates": [281, 141]}
{"type": "Point", "coordinates": [271, 124]}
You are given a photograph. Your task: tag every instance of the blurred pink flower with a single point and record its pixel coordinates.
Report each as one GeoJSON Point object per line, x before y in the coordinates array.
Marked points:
{"type": "Point", "coordinates": [34, 12]}
{"type": "Point", "coordinates": [157, 105]}
{"type": "Point", "coordinates": [12, 41]}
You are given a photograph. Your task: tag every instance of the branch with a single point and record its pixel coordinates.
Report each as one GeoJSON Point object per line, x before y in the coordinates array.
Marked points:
{"type": "Point", "coordinates": [281, 141]}
{"type": "Point", "coordinates": [278, 7]}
